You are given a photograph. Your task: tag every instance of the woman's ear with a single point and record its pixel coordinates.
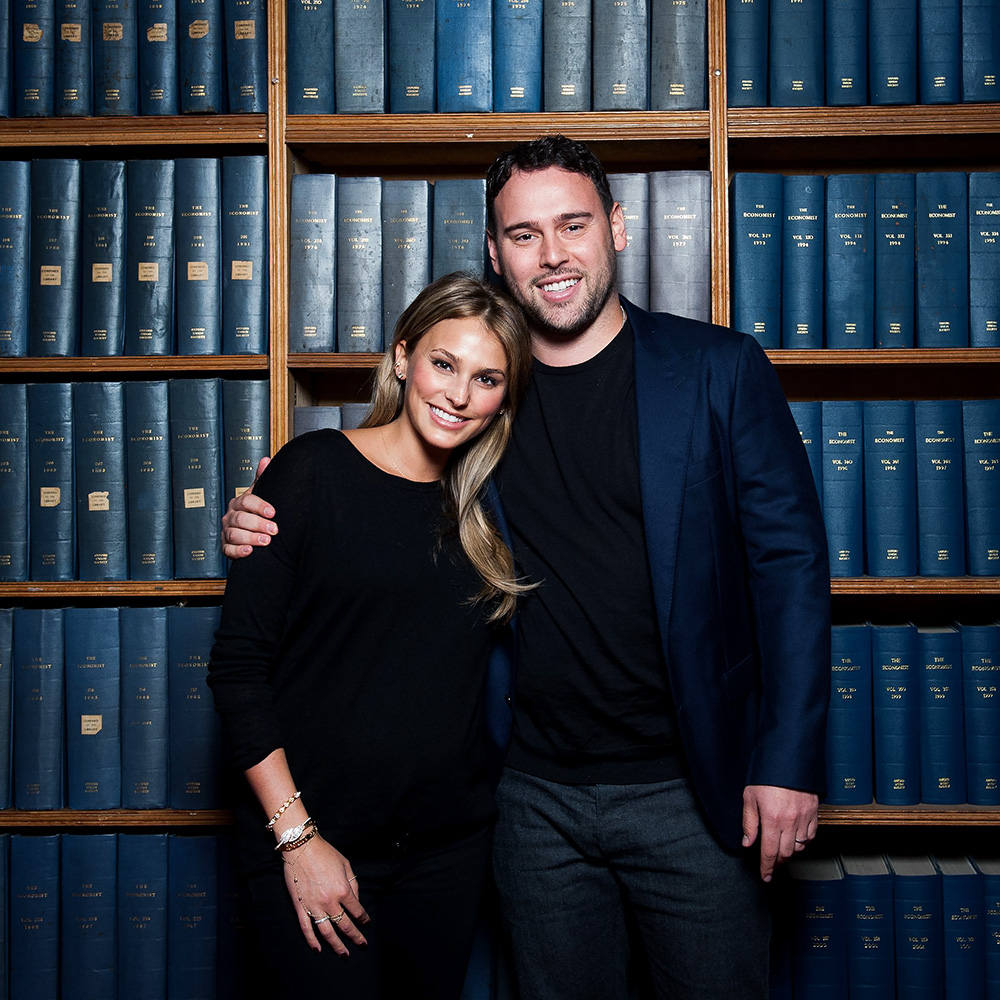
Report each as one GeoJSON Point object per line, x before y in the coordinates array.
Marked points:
{"type": "Point", "coordinates": [399, 366]}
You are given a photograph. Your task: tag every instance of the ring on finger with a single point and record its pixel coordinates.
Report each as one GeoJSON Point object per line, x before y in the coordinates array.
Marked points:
{"type": "Point", "coordinates": [322, 920]}
{"type": "Point", "coordinates": [340, 916]}
{"type": "Point", "coordinates": [797, 841]}
{"type": "Point", "coordinates": [353, 878]}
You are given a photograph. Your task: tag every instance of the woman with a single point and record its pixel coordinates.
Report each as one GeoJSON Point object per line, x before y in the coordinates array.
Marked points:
{"type": "Point", "coordinates": [349, 665]}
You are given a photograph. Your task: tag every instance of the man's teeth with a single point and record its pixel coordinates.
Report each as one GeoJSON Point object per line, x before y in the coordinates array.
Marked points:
{"type": "Point", "coordinates": [450, 417]}
{"type": "Point", "coordinates": [559, 286]}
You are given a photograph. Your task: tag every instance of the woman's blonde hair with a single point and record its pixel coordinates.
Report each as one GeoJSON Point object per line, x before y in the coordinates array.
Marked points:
{"type": "Point", "coordinates": [463, 296]}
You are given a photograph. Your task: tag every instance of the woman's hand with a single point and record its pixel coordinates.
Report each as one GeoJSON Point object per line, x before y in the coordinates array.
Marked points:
{"type": "Point", "coordinates": [324, 891]}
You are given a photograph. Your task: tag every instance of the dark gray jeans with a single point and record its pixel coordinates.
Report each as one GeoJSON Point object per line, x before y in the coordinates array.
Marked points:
{"type": "Point", "coordinates": [578, 865]}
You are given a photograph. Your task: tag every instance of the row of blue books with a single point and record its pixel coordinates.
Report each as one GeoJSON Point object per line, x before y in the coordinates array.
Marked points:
{"type": "Point", "coordinates": [804, 53]}
{"type": "Point", "coordinates": [108, 708]}
{"type": "Point", "coordinates": [95, 916]}
{"type": "Point", "coordinates": [863, 260]}
{"type": "Point", "coordinates": [124, 481]}
{"type": "Point", "coordinates": [144, 257]}
{"type": "Point", "coordinates": [496, 55]}
{"type": "Point", "coordinates": [343, 416]}
{"type": "Point", "coordinates": [908, 488]}
{"type": "Point", "coordinates": [154, 57]}
{"type": "Point", "coordinates": [916, 926]}
{"type": "Point", "coordinates": [914, 715]}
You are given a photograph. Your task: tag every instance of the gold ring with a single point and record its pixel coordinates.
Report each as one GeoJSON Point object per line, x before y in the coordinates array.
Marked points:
{"type": "Point", "coordinates": [338, 917]}
{"type": "Point", "coordinates": [353, 878]}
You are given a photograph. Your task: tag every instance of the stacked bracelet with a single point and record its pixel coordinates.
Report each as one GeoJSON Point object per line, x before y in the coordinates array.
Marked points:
{"type": "Point", "coordinates": [284, 805]}
{"type": "Point", "coordinates": [301, 842]}
{"type": "Point", "coordinates": [296, 836]}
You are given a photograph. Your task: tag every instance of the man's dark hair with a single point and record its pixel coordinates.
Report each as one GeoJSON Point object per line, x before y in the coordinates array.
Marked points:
{"type": "Point", "coordinates": [547, 151]}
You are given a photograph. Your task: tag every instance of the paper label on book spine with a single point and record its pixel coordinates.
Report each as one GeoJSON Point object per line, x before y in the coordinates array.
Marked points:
{"type": "Point", "coordinates": [98, 501]}
{"type": "Point", "coordinates": [51, 274]}
{"type": "Point", "coordinates": [70, 32]}
{"type": "Point", "coordinates": [197, 270]}
{"type": "Point", "coordinates": [101, 273]}
{"type": "Point", "coordinates": [194, 498]}
{"type": "Point", "coordinates": [156, 33]}
{"type": "Point", "coordinates": [49, 496]}
{"type": "Point", "coordinates": [198, 29]}
{"type": "Point", "coordinates": [113, 31]}
{"type": "Point", "coordinates": [31, 33]}
{"type": "Point", "coordinates": [245, 30]}
{"type": "Point", "coordinates": [149, 271]}
{"type": "Point", "coordinates": [90, 725]}
{"type": "Point", "coordinates": [242, 270]}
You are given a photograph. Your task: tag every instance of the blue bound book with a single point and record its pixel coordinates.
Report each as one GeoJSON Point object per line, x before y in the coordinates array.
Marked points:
{"type": "Point", "coordinates": [916, 897]}
{"type": "Point", "coordinates": [989, 870]}
{"type": "Point", "coordinates": [796, 54]}
{"type": "Point", "coordinates": [890, 488]}
{"type": "Point", "coordinates": [157, 32]}
{"type": "Point", "coordinates": [359, 264]}
{"type": "Point", "coordinates": [458, 241]}
{"type": "Point", "coordinates": [38, 708]}
{"type": "Point", "coordinates": [247, 432]}
{"type": "Point", "coordinates": [15, 220]}
{"type": "Point", "coordinates": [93, 687]}
{"type": "Point", "coordinates": [849, 747]}
{"type": "Point", "coordinates": [464, 30]}
{"type": "Point", "coordinates": [942, 260]}
{"type": "Point", "coordinates": [631, 191]}
{"type": "Point", "coordinates": [310, 57]}
{"type": "Point", "coordinates": [33, 918]}
{"type": "Point", "coordinates": [517, 55]}
{"type": "Point", "coordinates": [149, 251]}
{"type": "Point", "coordinates": [33, 34]}
{"type": "Point", "coordinates": [246, 55]}
{"type": "Point", "coordinates": [981, 680]}
{"type": "Point", "coordinates": [808, 416]}
{"type": "Point", "coordinates": [88, 880]}
{"type": "Point", "coordinates": [980, 50]}
{"type": "Point", "coordinates": [54, 307]}
{"type": "Point", "coordinates": [6, 84]}
{"type": "Point", "coordinates": [200, 57]}
{"type": "Point", "coordinates": [746, 53]}
{"type": "Point", "coordinates": [962, 902]}
{"type": "Point", "coordinates": [895, 699]}
{"type": "Point", "coordinates": [846, 37]}
{"type": "Point", "coordinates": [196, 752]}
{"type": "Point", "coordinates": [142, 916]}
{"type": "Point", "coordinates": [198, 255]}
{"type": "Point", "coordinates": [940, 487]}
{"type": "Point", "coordinates": [101, 502]}
{"type": "Point", "coordinates": [942, 727]}
{"type": "Point", "coordinates": [51, 514]}
{"type": "Point", "coordinates": [359, 57]}
{"type": "Point", "coordinates": [192, 910]}
{"type": "Point", "coordinates": [147, 432]}
{"type": "Point", "coordinates": [315, 418]}
{"type": "Point", "coordinates": [6, 717]}
{"type": "Point", "coordinates": [803, 255]}
{"type": "Point", "coordinates": [981, 429]}
{"type": "Point", "coordinates": [850, 262]}
{"type": "Point", "coordinates": [895, 292]}
{"type": "Point", "coordinates": [102, 259]}
{"type": "Point", "coordinates": [406, 247]}
{"type": "Point", "coordinates": [757, 240]}
{"type": "Point", "coordinates": [678, 52]}
{"type": "Point", "coordinates": [984, 259]}
{"type": "Point", "coordinates": [116, 58]}
{"type": "Point", "coordinates": [892, 51]}
{"type": "Point", "coordinates": [312, 263]}
{"type": "Point", "coordinates": [567, 27]}
{"type": "Point", "coordinates": [74, 76]}
{"type": "Point", "coordinates": [244, 255]}
{"type": "Point", "coordinates": [144, 705]}
{"type": "Point", "coordinates": [871, 966]}
{"type": "Point", "coordinates": [939, 51]}
{"type": "Point", "coordinates": [819, 959]}
{"type": "Point", "coordinates": [410, 43]}
{"type": "Point", "coordinates": [621, 60]}
{"type": "Point", "coordinates": [843, 490]}
{"type": "Point", "coordinates": [13, 482]}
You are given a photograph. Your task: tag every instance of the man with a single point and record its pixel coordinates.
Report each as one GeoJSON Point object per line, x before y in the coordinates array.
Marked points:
{"type": "Point", "coordinates": [672, 668]}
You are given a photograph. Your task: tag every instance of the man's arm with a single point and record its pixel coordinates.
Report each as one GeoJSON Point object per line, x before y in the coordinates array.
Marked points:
{"type": "Point", "coordinates": [247, 521]}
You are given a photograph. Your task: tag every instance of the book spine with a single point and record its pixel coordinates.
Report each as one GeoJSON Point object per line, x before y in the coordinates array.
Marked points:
{"type": "Point", "coordinates": [149, 249]}
{"type": "Point", "coordinates": [678, 72]}
{"type": "Point", "coordinates": [246, 425]}
{"type": "Point", "coordinates": [195, 729]}
{"type": "Point", "coordinates": [850, 263]}
{"type": "Point", "coordinates": [38, 698]}
{"type": "Point", "coordinates": [746, 53]}
{"type": "Point", "coordinates": [312, 263]}
{"type": "Point", "coordinates": [199, 57]}
{"type": "Point", "coordinates": [6, 723]}
{"type": "Point", "coordinates": [15, 216]}
{"type": "Point", "coordinates": [939, 51]}
{"type": "Point", "coordinates": [517, 55]}
{"type": "Point", "coordinates": [895, 656]}
{"type": "Point", "coordinates": [359, 264]}
{"type": "Point", "coordinates": [192, 915]}
{"type": "Point", "coordinates": [157, 56]}
{"type": "Point", "coordinates": [981, 430]}
{"type": "Point", "coordinates": [980, 50]}
{"type": "Point", "coordinates": [33, 947]}
{"type": "Point", "coordinates": [991, 908]}
{"type": "Point", "coordinates": [406, 247]}
{"type": "Point", "coordinates": [796, 55]}
{"type": "Point", "coordinates": [73, 90]}
{"type": "Point", "coordinates": [843, 492]}
{"type": "Point", "coordinates": [147, 455]}
{"type": "Point", "coordinates": [870, 961]}
{"type": "Point", "coordinates": [981, 687]}
{"type": "Point", "coordinates": [940, 487]}
{"type": "Point", "coordinates": [942, 729]}
{"type": "Point", "coordinates": [315, 418]}
{"type": "Point", "coordinates": [244, 255]}
{"type": "Point", "coordinates": [88, 877]}
{"type": "Point", "coordinates": [310, 57]}
{"type": "Point", "coordinates": [458, 240]}
{"type": "Point", "coordinates": [849, 760]}
{"type": "Point", "coordinates": [101, 502]}
{"type": "Point", "coordinates": [919, 935]}
{"type": "Point", "coordinates": [567, 26]}
{"type": "Point", "coordinates": [757, 241]}
{"type": "Point", "coordinates": [246, 55]}
{"type": "Point", "coordinates": [102, 258]}
{"type": "Point", "coordinates": [680, 279]}
{"type": "Point", "coordinates": [144, 701]}
{"type": "Point", "coordinates": [54, 296]}
{"type": "Point", "coordinates": [142, 915]}
{"type": "Point", "coordinates": [942, 260]}
{"type": "Point", "coordinates": [819, 968]}
{"type": "Point", "coordinates": [964, 946]}
{"type": "Point", "coordinates": [895, 292]}
{"type": "Point", "coordinates": [116, 59]}
{"type": "Point", "coordinates": [803, 255]}
{"type": "Point", "coordinates": [621, 62]}
{"type": "Point", "coordinates": [808, 416]}
{"type": "Point", "coordinates": [33, 25]}
{"type": "Point", "coordinates": [13, 482]}
{"type": "Point", "coordinates": [631, 191]}
{"type": "Point", "coordinates": [846, 35]}
{"type": "Point", "coordinates": [464, 29]}
{"type": "Point", "coordinates": [198, 255]}
{"type": "Point", "coordinates": [892, 51]}
{"type": "Point", "coordinates": [410, 43]}
{"type": "Point", "coordinates": [984, 260]}
{"type": "Point", "coordinates": [196, 462]}
{"type": "Point", "coordinates": [6, 83]}
{"type": "Point", "coordinates": [51, 520]}
{"type": "Point", "coordinates": [359, 57]}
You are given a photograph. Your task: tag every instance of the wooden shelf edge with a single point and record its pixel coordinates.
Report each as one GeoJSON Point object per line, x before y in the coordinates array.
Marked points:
{"type": "Point", "coordinates": [901, 356]}
{"type": "Point", "coordinates": [15, 819]}
{"type": "Point", "coordinates": [68, 589]}
{"type": "Point", "coordinates": [871, 586]}
{"type": "Point", "coordinates": [151, 364]}
{"type": "Point", "coordinates": [919, 815]}
{"type": "Point", "coordinates": [134, 131]}
{"type": "Point", "coordinates": [333, 360]}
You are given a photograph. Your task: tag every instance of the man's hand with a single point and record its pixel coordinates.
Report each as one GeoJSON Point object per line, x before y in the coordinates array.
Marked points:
{"type": "Point", "coordinates": [785, 819]}
{"type": "Point", "coordinates": [246, 523]}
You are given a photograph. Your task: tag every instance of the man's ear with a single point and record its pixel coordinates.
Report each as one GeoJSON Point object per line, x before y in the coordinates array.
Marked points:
{"type": "Point", "coordinates": [617, 220]}
{"type": "Point", "coordinates": [494, 256]}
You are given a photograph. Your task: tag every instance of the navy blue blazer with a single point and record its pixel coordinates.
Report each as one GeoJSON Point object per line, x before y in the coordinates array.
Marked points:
{"type": "Point", "coordinates": [737, 554]}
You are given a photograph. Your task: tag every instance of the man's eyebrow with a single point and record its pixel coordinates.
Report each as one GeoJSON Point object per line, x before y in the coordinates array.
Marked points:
{"type": "Point", "coordinates": [532, 224]}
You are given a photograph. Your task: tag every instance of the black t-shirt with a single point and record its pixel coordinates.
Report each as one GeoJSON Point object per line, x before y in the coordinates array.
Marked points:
{"type": "Point", "coordinates": [593, 703]}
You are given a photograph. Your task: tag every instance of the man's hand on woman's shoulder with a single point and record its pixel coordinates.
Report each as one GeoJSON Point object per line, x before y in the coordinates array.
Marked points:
{"type": "Point", "coordinates": [247, 522]}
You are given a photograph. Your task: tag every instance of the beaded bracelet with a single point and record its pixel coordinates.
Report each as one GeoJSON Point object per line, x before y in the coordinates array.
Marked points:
{"type": "Point", "coordinates": [294, 845]}
{"type": "Point", "coordinates": [293, 833]}
{"type": "Point", "coordinates": [284, 805]}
